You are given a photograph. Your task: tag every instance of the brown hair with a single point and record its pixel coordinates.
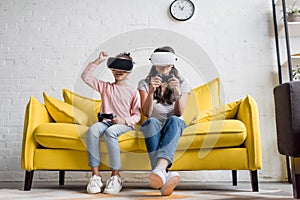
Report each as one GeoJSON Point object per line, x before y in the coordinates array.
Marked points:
{"type": "Point", "coordinates": [125, 55]}
{"type": "Point", "coordinates": [168, 97]}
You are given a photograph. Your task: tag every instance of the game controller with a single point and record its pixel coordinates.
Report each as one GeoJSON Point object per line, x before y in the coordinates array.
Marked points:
{"type": "Point", "coordinates": [165, 78]}
{"type": "Point", "coordinates": [102, 116]}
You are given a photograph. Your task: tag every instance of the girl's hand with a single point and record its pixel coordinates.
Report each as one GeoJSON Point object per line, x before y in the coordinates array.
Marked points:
{"type": "Point", "coordinates": [174, 84]}
{"type": "Point", "coordinates": [102, 56]}
{"type": "Point", "coordinates": [118, 120]}
{"type": "Point", "coordinates": [155, 82]}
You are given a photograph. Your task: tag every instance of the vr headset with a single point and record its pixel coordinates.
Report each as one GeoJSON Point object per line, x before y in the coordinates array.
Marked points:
{"type": "Point", "coordinates": [119, 64]}
{"type": "Point", "coordinates": [163, 58]}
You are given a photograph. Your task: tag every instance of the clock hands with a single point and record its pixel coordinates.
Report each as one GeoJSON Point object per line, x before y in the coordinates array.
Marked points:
{"type": "Point", "coordinates": [182, 10]}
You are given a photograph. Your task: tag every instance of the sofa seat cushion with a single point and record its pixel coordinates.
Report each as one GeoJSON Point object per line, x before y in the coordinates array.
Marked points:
{"type": "Point", "coordinates": [213, 134]}
{"type": "Point", "coordinates": [73, 136]}
{"type": "Point", "coordinates": [61, 136]}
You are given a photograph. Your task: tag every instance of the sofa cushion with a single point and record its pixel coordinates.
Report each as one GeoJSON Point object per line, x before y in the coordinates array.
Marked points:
{"type": "Point", "coordinates": [90, 106]}
{"type": "Point", "coordinates": [61, 136]}
{"type": "Point", "coordinates": [63, 112]}
{"type": "Point", "coordinates": [73, 136]}
{"type": "Point", "coordinates": [216, 134]}
{"type": "Point", "coordinates": [226, 111]}
{"type": "Point", "coordinates": [213, 134]}
{"type": "Point", "coordinates": [208, 95]}
{"type": "Point", "coordinates": [202, 98]}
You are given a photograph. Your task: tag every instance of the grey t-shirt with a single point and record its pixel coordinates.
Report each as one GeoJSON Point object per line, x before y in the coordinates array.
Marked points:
{"type": "Point", "coordinates": [163, 111]}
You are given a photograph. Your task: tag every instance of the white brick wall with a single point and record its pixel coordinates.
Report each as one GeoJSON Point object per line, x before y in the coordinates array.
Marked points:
{"type": "Point", "coordinates": [44, 45]}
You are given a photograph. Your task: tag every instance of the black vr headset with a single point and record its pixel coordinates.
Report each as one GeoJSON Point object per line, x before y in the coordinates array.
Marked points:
{"type": "Point", "coordinates": [119, 64]}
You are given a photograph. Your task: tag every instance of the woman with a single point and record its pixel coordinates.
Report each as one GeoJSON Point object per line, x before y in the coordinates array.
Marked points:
{"type": "Point", "coordinates": [163, 96]}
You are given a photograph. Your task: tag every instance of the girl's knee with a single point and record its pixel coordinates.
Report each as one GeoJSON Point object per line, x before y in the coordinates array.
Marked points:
{"type": "Point", "coordinates": [109, 133]}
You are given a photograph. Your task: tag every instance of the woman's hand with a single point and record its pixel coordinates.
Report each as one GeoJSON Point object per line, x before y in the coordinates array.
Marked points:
{"type": "Point", "coordinates": [174, 84]}
{"type": "Point", "coordinates": [155, 82]}
{"type": "Point", "coordinates": [102, 56]}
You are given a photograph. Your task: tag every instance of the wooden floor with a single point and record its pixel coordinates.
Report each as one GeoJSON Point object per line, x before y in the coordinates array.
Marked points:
{"type": "Point", "coordinates": [140, 191]}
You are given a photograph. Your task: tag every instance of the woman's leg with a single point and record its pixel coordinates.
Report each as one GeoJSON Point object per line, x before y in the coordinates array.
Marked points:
{"type": "Point", "coordinates": [92, 144]}
{"type": "Point", "coordinates": [151, 129]}
{"type": "Point", "coordinates": [171, 133]}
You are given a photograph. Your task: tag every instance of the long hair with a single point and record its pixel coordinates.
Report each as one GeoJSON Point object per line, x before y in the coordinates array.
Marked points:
{"type": "Point", "coordinates": [168, 97]}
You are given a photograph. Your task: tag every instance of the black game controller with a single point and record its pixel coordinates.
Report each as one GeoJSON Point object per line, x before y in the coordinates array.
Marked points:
{"type": "Point", "coordinates": [102, 116]}
{"type": "Point", "coordinates": [165, 78]}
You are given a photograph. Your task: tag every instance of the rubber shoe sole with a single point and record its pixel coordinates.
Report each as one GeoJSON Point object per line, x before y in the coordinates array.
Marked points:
{"type": "Point", "coordinates": [155, 181]}
{"type": "Point", "coordinates": [169, 187]}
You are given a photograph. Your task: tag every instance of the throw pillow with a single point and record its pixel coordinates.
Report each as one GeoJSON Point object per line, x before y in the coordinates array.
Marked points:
{"type": "Point", "coordinates": [208, 95]}
{"type": "Point", "coordinates": [226, 111]}
{"type": "Point", "coordinates": [64, 112]}
{"type": "Point", "coordinates": [90, 106]}
{"type": "Point", "coordinates": [201, 99]}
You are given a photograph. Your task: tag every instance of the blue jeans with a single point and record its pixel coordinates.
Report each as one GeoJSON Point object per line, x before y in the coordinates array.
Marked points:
{"type": "Point", "coordinates": [162, 139]}
{"type": "Point", "coordinates": [111, 132]}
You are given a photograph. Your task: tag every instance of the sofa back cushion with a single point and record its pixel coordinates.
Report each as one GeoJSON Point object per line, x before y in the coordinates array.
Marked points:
{"type": "Point", "coordinates": [63, 112]}
{"type": "Point", "coordinates": [221, 112]}
{"type": "Point", "coordinates": [90, 106]}
{"type": "Point", "coordinates": [202, 98]}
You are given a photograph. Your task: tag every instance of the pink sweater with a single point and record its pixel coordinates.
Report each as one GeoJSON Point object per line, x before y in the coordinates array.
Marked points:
{"type": "Point", "coordinates": [120, 100]}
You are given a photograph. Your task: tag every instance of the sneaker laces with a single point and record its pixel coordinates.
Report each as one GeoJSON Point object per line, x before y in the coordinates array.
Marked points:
{"type": "Point", "coordinates": [111, 181]}
{"type": "Point", "coordinates": [94, 181]}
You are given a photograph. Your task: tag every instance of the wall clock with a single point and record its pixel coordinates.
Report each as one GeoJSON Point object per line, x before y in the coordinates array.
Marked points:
{"type": "Point", "coordinates": [182, 10]}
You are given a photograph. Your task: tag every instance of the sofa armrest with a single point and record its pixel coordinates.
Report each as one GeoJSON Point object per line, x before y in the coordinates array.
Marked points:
{"type": "Point", "coordinates": [248, 114]}
{"type": "Point", "coordinates": [35, 115]}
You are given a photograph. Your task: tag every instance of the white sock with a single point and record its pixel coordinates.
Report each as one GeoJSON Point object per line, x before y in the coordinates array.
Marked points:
{"type": "Point", "coordinates": [162, 164]}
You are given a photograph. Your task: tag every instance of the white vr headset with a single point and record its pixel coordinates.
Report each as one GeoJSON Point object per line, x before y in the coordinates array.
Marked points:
{"type": "Point", "coordinates": [163, 58]}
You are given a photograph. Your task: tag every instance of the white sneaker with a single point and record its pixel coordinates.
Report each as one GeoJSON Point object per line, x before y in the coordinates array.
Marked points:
{"type": "Point", "coordinates": [95, 185]}
{"type": "Point", "coordinates": [157, 178]}
{"type": "Point", "coordinates": [171, 182]}
{"type": "Point", "coordinates": [113, 185]}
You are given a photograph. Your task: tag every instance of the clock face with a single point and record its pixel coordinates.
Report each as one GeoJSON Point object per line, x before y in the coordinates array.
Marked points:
{"type": "Point", "coordinates": [182, 9]}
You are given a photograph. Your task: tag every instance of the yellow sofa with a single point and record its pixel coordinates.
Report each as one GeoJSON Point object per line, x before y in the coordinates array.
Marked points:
{"type": "Point", "coordinates": [217, 137]}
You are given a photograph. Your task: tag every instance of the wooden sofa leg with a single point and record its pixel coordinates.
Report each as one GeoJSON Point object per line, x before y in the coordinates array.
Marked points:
{"type": "Point", "coordinates": [254, 180]}
{"type": "Point", "coordinates": [234, 177]}
{"type": "Point", "coordinates": [28, 180]}
{"type": "Point", "coordinates": [61, 177]}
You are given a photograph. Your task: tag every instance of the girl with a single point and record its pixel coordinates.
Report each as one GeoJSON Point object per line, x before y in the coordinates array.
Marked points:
{"type": "Point", "coordinates": [118, 99]}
